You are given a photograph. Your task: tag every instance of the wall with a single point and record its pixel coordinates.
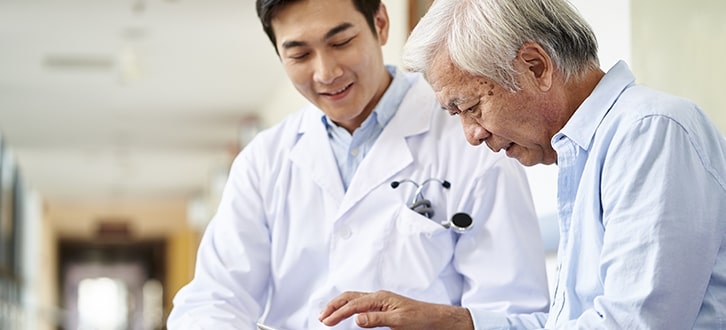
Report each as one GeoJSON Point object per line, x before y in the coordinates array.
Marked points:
{"type": "Point", "coordinates": [152, 219]}
{"type": "Point", "coordinates": [679, 47]}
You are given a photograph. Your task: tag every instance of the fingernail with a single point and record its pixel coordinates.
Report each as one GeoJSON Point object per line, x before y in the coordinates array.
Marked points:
{"type": "Point", "coordinates": [362, 319]}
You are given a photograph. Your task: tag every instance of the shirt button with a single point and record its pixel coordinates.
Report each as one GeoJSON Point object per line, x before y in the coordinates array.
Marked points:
{"type": "Point", "coordinates": [354, 152]}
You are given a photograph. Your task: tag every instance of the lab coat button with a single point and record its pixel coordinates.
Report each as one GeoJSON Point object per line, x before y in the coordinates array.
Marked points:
{"type": "Point", "coordinates": [345, 233]}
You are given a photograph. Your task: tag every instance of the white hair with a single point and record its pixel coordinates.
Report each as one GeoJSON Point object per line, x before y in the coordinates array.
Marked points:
{"type": "Point", "coordinates": [482, 37]}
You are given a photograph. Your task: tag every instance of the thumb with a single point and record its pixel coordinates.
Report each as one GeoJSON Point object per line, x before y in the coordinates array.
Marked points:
{"type": "Point", "coordinates": [373, 320]}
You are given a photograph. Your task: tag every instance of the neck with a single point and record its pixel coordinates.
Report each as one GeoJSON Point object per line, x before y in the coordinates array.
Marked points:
{"type": "Point", "coordinates": [580, 89]}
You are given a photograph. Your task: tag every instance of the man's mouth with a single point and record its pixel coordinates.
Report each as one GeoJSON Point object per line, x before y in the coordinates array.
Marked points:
{"type": "Point", "coordinates": [339, 91]}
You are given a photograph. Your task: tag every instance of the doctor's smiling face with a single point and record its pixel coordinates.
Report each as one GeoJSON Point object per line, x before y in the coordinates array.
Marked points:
{"type": "Point", "coordinates": [333, 57]}
{"type": "Point", "coordinates": [510, 121]}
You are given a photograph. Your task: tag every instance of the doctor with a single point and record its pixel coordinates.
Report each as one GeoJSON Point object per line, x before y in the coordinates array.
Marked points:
{"type": "Point", "coordinates": [309, 211]}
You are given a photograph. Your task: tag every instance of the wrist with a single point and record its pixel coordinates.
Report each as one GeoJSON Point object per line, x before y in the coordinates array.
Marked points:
{"type": "Point", "coordinates": [457, 318]}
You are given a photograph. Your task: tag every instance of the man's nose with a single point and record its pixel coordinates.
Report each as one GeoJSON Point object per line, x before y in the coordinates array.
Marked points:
{"type": "Point", "coordinates": [475, 133]}
{"type": "Point", "coordinates": [327, 69]}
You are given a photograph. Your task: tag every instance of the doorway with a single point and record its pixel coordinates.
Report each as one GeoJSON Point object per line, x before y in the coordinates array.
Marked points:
{"type": "Point", "coordinates": [112, 286]}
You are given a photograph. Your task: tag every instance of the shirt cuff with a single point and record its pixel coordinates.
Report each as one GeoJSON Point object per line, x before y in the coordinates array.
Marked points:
{"type": "Point", "coordinates": [487, 320]}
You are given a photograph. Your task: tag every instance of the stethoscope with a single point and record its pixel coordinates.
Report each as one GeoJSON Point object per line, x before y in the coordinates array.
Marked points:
{"type": "Point", "coordinates": [460, 222]}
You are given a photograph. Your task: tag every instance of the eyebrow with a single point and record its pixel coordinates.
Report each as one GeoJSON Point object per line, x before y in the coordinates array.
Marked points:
{"type": "Point", "coordinates": [331, 33]}
{"type": "Point", "coordinates": [340, 28]}
{"type": "Point", "coordinates": [454, 103]}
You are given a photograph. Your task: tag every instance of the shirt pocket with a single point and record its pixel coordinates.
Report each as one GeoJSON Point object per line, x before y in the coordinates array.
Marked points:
{"type": "Point", "coordinates": [416, 251]}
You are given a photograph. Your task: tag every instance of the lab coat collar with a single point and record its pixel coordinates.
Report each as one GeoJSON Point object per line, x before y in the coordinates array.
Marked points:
{"type": "Point", "coordinates": [391, 154]}
{"type": "Point", "coordinates": [312, 154]}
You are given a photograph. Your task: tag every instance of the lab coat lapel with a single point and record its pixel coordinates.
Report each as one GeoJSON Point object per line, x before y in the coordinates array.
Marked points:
{"type": "Point", "coordinates": [390, 154]}
{"type": "Point", "coordinates": [312, 155]}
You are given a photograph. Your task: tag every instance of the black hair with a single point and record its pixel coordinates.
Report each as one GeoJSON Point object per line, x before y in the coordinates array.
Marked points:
{"type": "Point", "coordinates": [267, 9]}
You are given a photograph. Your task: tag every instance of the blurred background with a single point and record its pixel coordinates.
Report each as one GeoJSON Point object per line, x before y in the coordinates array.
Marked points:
{"type": "Point", "coordinates": [119, 120]}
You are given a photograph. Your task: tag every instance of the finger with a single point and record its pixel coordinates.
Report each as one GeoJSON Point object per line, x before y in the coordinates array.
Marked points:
{"type": "Point", "coordinates": [376, 319]}
{"type": "Point", "coordinates": [359, 304]}
{"type": "Point", "coordinates": [336, 303]}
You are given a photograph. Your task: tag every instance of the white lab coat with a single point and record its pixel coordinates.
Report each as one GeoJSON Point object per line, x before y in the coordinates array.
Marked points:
{"type": "Point", "coordinates": [287, 238]}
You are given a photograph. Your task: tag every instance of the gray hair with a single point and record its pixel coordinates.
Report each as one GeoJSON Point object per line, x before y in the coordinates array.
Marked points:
{"type": "Point", "coordinates": [483, 37]}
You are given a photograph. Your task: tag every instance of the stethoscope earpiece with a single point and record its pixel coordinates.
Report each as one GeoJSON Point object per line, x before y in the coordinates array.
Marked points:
{"type": "Point", "coordinates": [460, 222]}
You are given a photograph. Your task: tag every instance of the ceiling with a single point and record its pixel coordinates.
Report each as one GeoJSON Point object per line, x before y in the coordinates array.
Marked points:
{"type": "Point", "coordinates": [129, 98]}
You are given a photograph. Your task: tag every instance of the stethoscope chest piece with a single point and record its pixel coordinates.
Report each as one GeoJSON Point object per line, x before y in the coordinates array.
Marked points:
{"type": "Point", "coordinates": [460, 222]}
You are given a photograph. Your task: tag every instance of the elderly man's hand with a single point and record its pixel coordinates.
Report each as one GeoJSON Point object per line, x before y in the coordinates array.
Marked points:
{"type": "Point", "coordinates": [387, 309]}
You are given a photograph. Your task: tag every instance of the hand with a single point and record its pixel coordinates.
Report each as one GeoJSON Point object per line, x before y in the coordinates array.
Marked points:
{"type": "Point", "coordinates": [387, 309]}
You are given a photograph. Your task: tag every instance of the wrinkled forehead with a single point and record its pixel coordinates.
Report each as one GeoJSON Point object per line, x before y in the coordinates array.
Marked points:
{"type": "Point", "coordinates": [443, 75]}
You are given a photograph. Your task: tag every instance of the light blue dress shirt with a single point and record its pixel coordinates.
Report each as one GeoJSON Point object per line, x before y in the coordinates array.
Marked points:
{"type": "Point", "coordinates": [350, 150]}
{"type": "Point", "coordinates": [642, 211]}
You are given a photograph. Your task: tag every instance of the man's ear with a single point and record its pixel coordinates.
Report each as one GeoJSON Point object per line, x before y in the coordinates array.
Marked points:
{"type": "Point", "coordinates": [537, 65]}
{"type": "Point", "coordinates": [380, 20]}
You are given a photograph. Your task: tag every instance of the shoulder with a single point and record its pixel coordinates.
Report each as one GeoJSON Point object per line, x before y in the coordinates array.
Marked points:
{"type": "Point", "coordinates": [276, 141]}
{"type": "Point", "coordinates": [639, 103]}
{"type": "Point", "coordinates": [647, 121]}
{"type": "Point", "coordinates": [650, 114]}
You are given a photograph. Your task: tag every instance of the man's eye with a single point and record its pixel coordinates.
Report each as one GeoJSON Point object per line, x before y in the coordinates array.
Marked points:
{"type": "Point", "coordinates": [299, 56]}
{"type": "Point", "coordinates": [473, 108]}
{"type": "Point", "coordinates": [342, 44]}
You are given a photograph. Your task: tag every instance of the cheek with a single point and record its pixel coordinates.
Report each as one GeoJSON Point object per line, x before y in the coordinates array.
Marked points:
{"type": "Point", "coordinates": [299, 76]}
{"type": "Point", "coordinates": [357, 62]}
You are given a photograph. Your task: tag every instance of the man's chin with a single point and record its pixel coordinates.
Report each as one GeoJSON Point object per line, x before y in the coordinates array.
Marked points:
{"type": "Point", "coordinates": [524, 159]}
{"type": "Point", "coordinates": [530, 157]}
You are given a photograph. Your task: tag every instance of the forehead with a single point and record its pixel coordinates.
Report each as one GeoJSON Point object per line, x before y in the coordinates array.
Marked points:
{"type": "Point", "coordinates": [313, 18]}
{"type": "Point", "coordinates": [444, 76]}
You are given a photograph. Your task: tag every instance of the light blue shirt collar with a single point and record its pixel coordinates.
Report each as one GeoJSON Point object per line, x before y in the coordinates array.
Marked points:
{"type": "Point", "coordinates": [350, 149]}
{"type": "Point", "coordinates": [584, 122]}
